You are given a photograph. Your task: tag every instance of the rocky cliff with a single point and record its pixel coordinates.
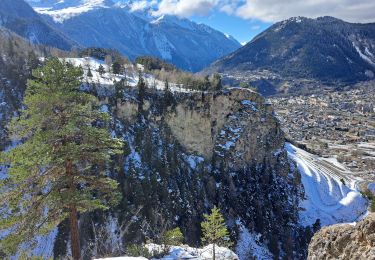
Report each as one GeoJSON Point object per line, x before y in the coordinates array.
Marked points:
{"type": "Point", "coordinates": [187, 152]}
{"type": "Point", "coordinates": [184, 154]}
{"type": "Point", "coordinates": [345, 241]}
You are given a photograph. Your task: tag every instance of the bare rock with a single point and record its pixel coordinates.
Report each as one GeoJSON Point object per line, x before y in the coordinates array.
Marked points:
{"type": "Point", "coordinates": [345, 241]}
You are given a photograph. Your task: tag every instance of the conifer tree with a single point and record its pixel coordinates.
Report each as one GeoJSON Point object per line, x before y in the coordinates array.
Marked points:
{"type": "Point", "coordinates": [89, 73]}
{"type": "Point", "coordinates": [173, 237]}
{"type": "Point", "coordinates": [168, 95]}
{"type": "Point", "coordinates": [141, 86]}
{"type": "Point", "coordinates": [214, 230]}
{"type": "Point", "coordinates": [59, 168]}
{"type": "Point", "coordinates": [101, 70]}
{"type": "Point", "coordinates": [116, 67]}
{"type": "Point", "coordinates": [32, 61]}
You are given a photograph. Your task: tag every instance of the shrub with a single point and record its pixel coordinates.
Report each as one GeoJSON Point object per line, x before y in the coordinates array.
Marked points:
{"type": "Point", "coordinates": [173, 237]}
{"type": "Point", "coordinates": [138, 250]}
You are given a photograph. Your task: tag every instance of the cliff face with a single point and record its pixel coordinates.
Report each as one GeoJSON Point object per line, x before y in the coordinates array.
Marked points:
{"type": "Point", "coordinates": [190, 151]}
{"type": "Point", "coordinates": [344, 241]}
{"type": "Point", "coordinates": [185, 153]}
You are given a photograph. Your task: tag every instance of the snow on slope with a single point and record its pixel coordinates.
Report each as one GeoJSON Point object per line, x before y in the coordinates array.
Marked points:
{"type": "Point", "coordinates": [185, 252]}
{"type": "Point", "coordinates": [331, 195]}
{"type": "Point", "coordinates": [250, 242]}
{"type": "Point", "coordinates": [61, 12]}
{"type": "Point", "coordinates": [108, 79]}
{"type": "Point", "coordinates": [367, 56]}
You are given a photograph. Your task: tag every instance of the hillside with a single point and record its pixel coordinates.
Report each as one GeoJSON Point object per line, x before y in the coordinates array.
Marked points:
{"type": "Point", "coordinates": [323, 49]}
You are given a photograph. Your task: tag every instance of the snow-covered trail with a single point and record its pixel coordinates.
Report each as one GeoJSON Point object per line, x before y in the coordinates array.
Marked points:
{"type": "Point", "coordinates": [331, 193]}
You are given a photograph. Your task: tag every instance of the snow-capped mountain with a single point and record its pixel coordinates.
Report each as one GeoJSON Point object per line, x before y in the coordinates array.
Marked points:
{"type": "Point", "coordinates": [114, 24]}
{"type": "Point", "coordinates": [19, 17]}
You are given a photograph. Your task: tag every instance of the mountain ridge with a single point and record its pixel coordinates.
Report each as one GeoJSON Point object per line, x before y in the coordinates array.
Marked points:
{"type": "Point", "coordinates": [19, 17]}
{"type": "Point", "coordinates": [184, 43]}
{"type": "Point", "coordinates": [325, 49]}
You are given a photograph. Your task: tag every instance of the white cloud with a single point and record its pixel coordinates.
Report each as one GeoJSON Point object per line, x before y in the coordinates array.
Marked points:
{"type": "Point", "coordinates": [141, 5]}
{"type": "Point", "coordinates": [277, 10]}
{"type": "Point", "coordinates": [227, 8]}
{"type": "Point", "coordinates": [186, 8]}
{"type": "Point", "coordinates": [266, 10]}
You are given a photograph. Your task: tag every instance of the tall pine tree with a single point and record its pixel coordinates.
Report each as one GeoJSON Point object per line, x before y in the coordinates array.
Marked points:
{"type": "Point", "coordinates": [59, 167]}
{"type": "Point", "coordinates": [214, 230]}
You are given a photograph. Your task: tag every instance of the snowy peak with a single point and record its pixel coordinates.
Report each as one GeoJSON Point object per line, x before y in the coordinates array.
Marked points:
{"type": "Point", "coordinates": [61, 10]}
{"type": "Point", "coordinates": [17, 16]}
{"type": "Point", "coordinates": [137, 32]}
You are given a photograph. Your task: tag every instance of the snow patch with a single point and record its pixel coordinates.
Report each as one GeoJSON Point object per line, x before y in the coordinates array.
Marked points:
{"type": "Point", "coordinates": [367, 56]}
{"type": "Point", "coordinates": [68, 12]}
{"type": "Point", "coordinates": [250, 247]}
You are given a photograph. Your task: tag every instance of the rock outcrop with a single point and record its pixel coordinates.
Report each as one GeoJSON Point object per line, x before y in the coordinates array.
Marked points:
{"type": "Point", "coordinates": [190, 151]}
{"type": "Point", "coordinates": [345, 241]}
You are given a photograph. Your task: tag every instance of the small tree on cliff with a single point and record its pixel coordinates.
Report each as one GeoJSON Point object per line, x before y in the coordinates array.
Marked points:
{"type": "Point", "coordinates": [214, 230]}
{"type": "Point", "coordinates": [58, 170]}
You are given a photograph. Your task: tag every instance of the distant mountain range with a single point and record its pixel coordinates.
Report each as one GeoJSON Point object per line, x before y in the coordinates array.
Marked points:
{"type": "Point", "coordinates": [19, 17]}
{"type": "Point", "coordinates": [326, 49]}
{"type": "Point", "coordinates": [112, 24]}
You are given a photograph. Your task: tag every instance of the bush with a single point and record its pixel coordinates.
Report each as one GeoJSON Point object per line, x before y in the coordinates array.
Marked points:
{"type": "Point", "coordinates": [138, 250]}
{"type": "Point", "coordinates": [173, 237]}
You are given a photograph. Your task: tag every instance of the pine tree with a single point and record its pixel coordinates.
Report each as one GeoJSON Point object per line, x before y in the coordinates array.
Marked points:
{"type": "Point", "coordinates": [141, 86]}
{"type": "Point", "coordinates": [32, 61]}
{"type": "Point", "coordinates": [89, 73]}
{"type": "Point", "coordinates": [214, 230]}
{"type": "Point", "coordinates": [168, 96]}
{"type": "Point", "coordinates": [59, 168]}
{"type": "Point", "coordinates": [101, 70]}
{"type": "Point", "coordinates": [116, 67]}
{"type": "Point", "coordinates": [173, 237]}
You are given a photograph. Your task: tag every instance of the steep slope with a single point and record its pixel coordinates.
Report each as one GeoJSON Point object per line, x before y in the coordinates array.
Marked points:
{"type": "Point", "coordinates": [325, 49]}
{"type": "Point", "coordinates": [102, 23]}
{"type": "Point", "coordinates": [344, 241]}
{"type": "Point", "coordinates": [19, 17]}
{"type": "Point", "coordinates": [331, 194]}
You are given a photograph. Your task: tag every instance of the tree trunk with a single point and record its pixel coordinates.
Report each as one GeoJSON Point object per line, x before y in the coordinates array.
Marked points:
{"type": "Point", "coordinates": [74, 234]}
{"type": "Point", "coordinates": [213, 252]}
{"type": "Point", "coordinates": [73, 215]}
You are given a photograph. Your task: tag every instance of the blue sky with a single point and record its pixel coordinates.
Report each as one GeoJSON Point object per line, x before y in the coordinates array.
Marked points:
{"type": "Point", "coordinates": [243, 19]}
{"type": "Point", "coordinates": [241, 29]}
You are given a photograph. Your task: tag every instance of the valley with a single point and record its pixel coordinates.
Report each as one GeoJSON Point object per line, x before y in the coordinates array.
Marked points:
{"type": "Point", "coordinates": [129, 130]}
{"type": "Point", "coordinates": [334, 124]}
